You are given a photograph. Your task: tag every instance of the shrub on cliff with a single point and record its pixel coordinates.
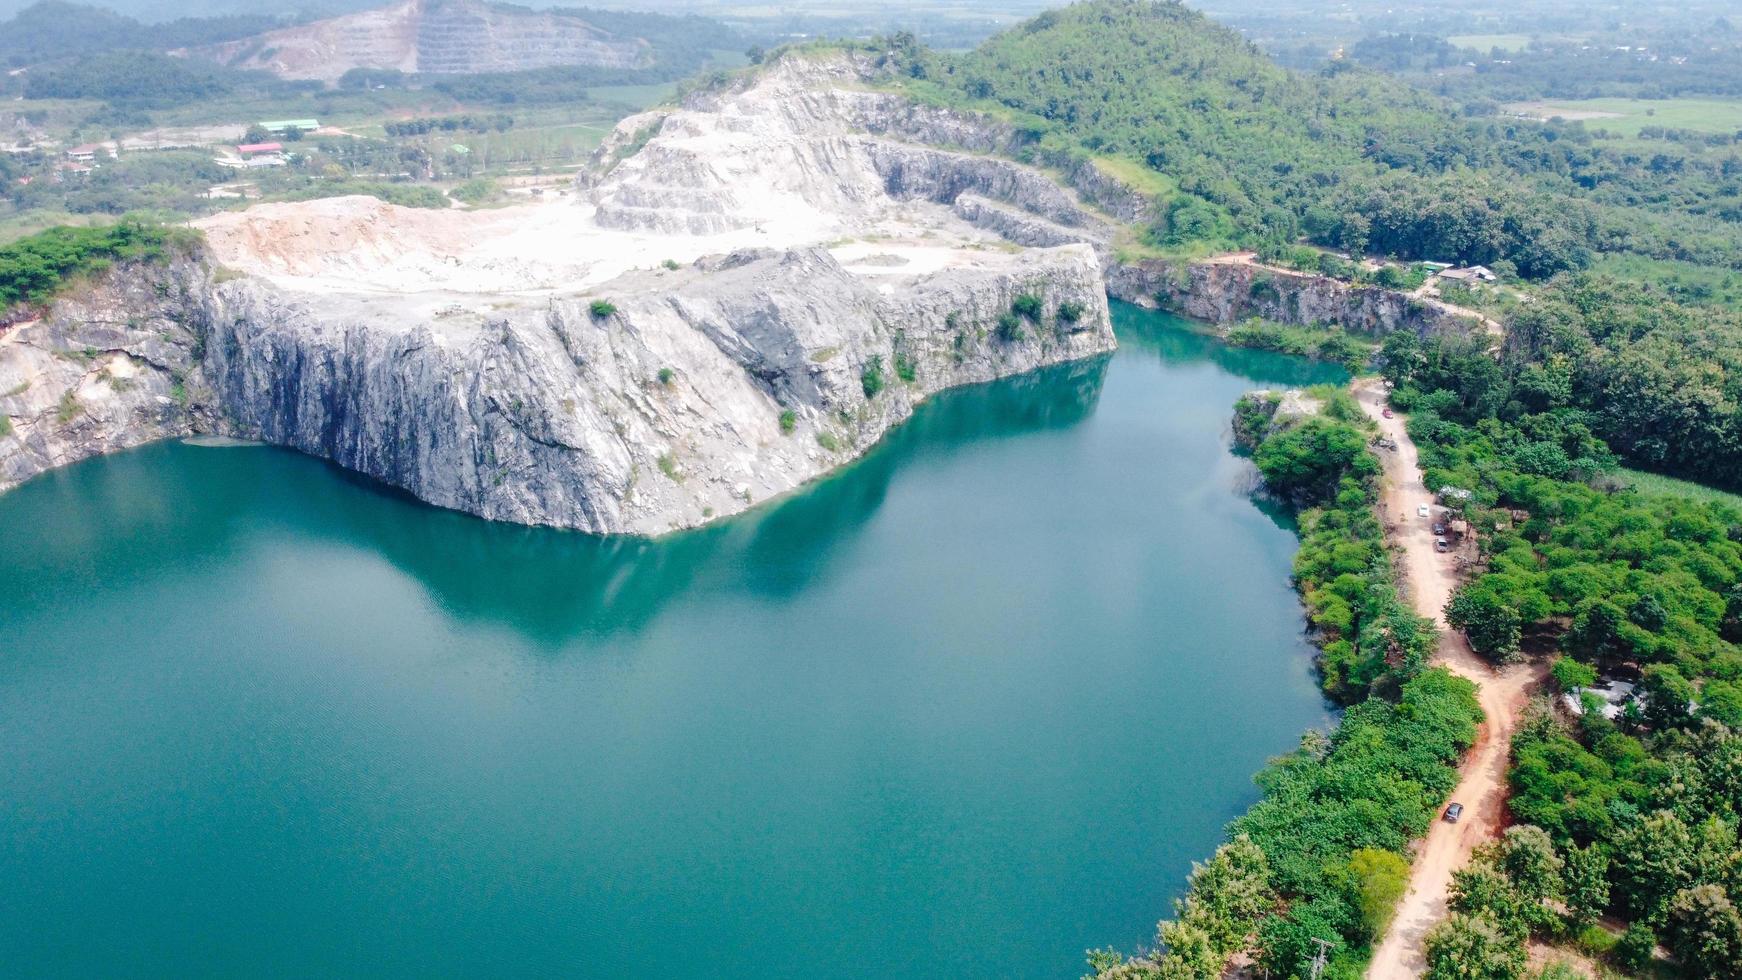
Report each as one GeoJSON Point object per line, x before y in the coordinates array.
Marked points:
{"type": "Point", "coordinates": [871, 378]}
{"type": "Point", "coordinates": [33, 269]}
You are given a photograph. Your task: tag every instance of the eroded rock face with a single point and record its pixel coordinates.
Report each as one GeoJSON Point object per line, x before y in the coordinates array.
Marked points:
{"type": "Point", "coordinates": [545, 366]}
{"type": "Point", "coordinates": [663, 413]}
{"type": "Point", "coordinates": [431, 36]}
{"type": "Point", "coordinates": [1223, 292]}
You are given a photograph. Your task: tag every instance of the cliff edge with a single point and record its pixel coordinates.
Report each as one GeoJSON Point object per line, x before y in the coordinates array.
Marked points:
{"type": "Point", "coordinates": [746, 293]}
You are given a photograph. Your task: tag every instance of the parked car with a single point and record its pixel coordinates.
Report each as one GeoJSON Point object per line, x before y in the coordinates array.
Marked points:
{"type": "Point", "coordinates": [1423, 511]}
{"type": "Point", "coordinates": [1453, 812]}
{"type": "Point", "coordinates": [1441, 544]}
{"type": "Point", "coordinates": [1439, 528]}
{"type": "Point", "coordinates": [1386, 413]}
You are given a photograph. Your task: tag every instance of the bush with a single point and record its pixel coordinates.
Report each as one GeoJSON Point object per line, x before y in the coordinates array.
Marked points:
{"type": "Point", "coordinates": [666, 375]}
{"type": "Point", "coordinates": [1635, 949]}
{"type": "Point", "coordinates": [479, 190]}
{"type": "Point", "coordinates": [828, 441]}
{"type": "Point", "coordinates": [33, 269]}
{"type": "Point", "coordinates": [1070, 312]}
{"type": "Point", "coordinates": [1028, 306]}
{"type": "Point", "coordinates": [788, 422]}
{"type": "Point", "coordinates": [871, 377]}
{"type": "Point", "coordinates": [906, 369]}
{"type": "Point", "coordinates": [1010, 328]}
{"type": "Point", "coordinates": [602, 308]}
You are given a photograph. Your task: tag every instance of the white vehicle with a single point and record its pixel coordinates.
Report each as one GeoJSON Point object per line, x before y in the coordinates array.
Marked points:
{"type": "Point", "coordinates": [1423, 511]}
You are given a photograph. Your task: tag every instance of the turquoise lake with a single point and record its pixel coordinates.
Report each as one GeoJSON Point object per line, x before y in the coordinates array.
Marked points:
{"type": "Point", "coordinates": [963, 710]}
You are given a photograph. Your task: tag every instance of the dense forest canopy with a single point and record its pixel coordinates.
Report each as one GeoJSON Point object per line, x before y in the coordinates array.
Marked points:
{"type": "Point", "coordinates": [1345, 156]}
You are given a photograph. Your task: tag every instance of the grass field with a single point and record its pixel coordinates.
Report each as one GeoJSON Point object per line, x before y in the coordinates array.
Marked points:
{"type": "Point", "coordinates": [1653, 483]}
{"type": "Point", "coordinates": [1628, 116]}
{"type": "Point", "coordinates": [1138, 177]}
{"type": "Point", "coordinates": [1487, 42]}
{"type": "Point", "coordinates": [1701, 285]}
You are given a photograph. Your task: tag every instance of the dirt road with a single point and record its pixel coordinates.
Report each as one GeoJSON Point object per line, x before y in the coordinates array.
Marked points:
{"type": "Point", "coordinates": [1430, 578]}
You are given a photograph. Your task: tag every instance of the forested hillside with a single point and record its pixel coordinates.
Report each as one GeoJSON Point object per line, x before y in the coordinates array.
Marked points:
{"type": "Point", "coordinates": [1243, 151]}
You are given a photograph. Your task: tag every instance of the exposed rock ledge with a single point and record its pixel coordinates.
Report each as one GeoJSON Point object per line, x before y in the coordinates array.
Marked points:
{"type": "Point", "coordinates": [759, 252]}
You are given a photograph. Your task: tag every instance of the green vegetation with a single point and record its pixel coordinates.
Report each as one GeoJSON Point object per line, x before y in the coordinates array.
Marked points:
{"type": "Point", "coordinates": [668, 465]}
{"type": "Point", "coordinates": [906, 368]}
{"type": "Point", "coordinates": [788, 422]}
{"type": "Point", "coordinates": [478, 190]}
{"type": "Point", "coordinates": [1325, 343]}
{"type": "Point", "coordinates": [5, 426]}
{"type": "Point", "coordinates": [1010, 328]}
{"type": "Point", "coordinates": [1249, 153]}
{"type": "Point", "coordinates": [1642, 809]}
{"type": "Point", "coordinates": [666, 375]}
{"type": "Point", "coordinates": [871, 376]}
{"type": "Point", "coordinates": [32, 269]}
{"type": "Point", "coordinates": [828, 441]}
{"type": "Point", "coordinates": [1029, 307]}
{"type": "Point", "coordinates": [405, 195]}
{"type": "Point", "coordinates": [52, 29]}
{"type": "Point", "coordinates": [1660, 485]}
{"type": "Point", "coordinates": [1322, 464]}
{"type": "Point", "coordinates": [602, 308]}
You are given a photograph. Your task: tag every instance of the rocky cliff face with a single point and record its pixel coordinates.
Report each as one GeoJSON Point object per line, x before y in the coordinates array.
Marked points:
{"type": "Point", "coordinates": [112, 368]}
{"type": "Point", "coordinates": [435, 36]}
{"type": "Point", "coordinates": [544, 365]}
{"type": "Point", "coordinates": [1223, 292]}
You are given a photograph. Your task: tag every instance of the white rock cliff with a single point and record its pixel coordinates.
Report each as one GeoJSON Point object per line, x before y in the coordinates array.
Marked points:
{"type": "Point", "coordinates": [746, 293]}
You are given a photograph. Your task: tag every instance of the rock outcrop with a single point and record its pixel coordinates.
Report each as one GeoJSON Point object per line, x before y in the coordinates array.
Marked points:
{"type": "Point", "coordinates": [751, 292]}
{"type": "Point", "coordinates": [1227, 291]}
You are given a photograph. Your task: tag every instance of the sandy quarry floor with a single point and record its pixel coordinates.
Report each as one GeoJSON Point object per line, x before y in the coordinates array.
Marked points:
{"type": "Point", "coordinates": [1431, 577]}
{"type": "Point", "coordinates": [363, 245]}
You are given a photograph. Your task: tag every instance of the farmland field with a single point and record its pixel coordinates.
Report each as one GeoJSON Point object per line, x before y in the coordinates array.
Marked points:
{"type": "Point", "coordinates": [1628, 116]}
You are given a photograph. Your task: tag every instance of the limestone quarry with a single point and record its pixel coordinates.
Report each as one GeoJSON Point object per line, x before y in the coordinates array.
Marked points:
{"type": "Point", "coordinates": [743, 293]}
{"type": "Point", "coordinates": [431, 36]}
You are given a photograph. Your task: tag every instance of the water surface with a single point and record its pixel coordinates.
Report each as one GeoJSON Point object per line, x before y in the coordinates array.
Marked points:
{"type": "Point", "coordinates": [963, 710]}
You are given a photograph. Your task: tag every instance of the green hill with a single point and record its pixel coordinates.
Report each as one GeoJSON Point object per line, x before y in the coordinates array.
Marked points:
{"type": "Point", "coordinates": [1347, 157]}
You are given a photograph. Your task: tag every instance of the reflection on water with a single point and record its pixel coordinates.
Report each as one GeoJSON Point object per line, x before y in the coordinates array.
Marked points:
{"type": "Point", "coordinates": [265, 717]}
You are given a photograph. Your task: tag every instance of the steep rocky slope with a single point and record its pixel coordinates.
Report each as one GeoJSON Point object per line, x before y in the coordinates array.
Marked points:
{"type": "Point", "coordinates": [749, 292]}
{"type": "Point", "coordinates": [436, 36]}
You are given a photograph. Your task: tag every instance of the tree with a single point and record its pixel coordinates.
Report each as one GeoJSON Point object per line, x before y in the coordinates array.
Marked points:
{"type": "Point", "coordinates": [1379, 879]}
{"type": "Point", "coordinates": [1465, 947]}
{"type": "Point", "coordinates": [1492, 626]}
{"type": "Point", "coordinates": [1187, 952]}
{"type": "Point", "coordinates": [257, 134]}
{"type": "Point", "coordinates": [1704, 930]}
{"type": "Point", "coordinates": [1586, 878]}
{"type": "Point", "coordinates": [1667, 696]}
{"type": "Point", "coordinates": [1307, 462]}
{"type": "Point", "coordinates": [1571, 675]}
{"type": "Point", "coordinates": [1229, 893]}
{"type": "Point", "coordinates": [1528, 858]}
{"type": "Point", "coordinates": [1660, 862]}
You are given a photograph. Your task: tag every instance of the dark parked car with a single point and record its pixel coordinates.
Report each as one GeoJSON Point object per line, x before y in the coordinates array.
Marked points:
{"type": "Point", "coordinates": [1453, 812]}
{"type": "Point", "coordinates": [1439, 528]}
